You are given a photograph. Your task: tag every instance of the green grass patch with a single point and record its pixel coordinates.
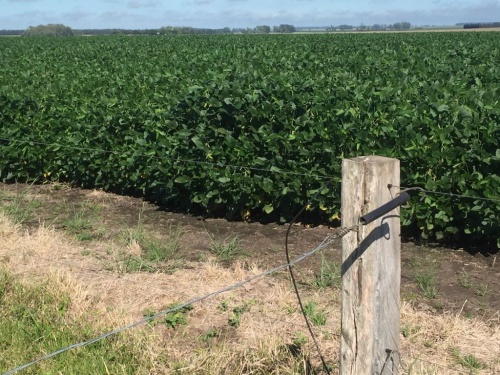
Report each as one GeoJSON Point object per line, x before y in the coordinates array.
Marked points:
{"type": "Point", "coordinates": [328, 275]}
{"type": "Point", "coordinates": [314, 314]}
{"type": "Point", "coordinates": [427, 283]}
{"type": "Point", "coordinates": [176, 318]}
{"type": "Point", "coordinates": [468, 361]}
{"type": "Point", "coordinates": [225, 249]}
{"type": "Point", "coordinates": [19, 207]}
{"type": "Point", "coordinates": [80, 221]}
{"type": "Point", "coordinates": [147, 252]}
{"type": "Point", "coordinates": [37, 319]}
{"type": "Point", "coordinates": [465, 280]}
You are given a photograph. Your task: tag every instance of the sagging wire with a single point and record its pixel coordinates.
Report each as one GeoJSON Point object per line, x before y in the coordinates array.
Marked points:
{"type": "Point", "coordinates": [400, 199]}
{"type": "Point", "coordinates": [295, 287]}
{"type": "Point", "coordinates": [296, 260]}
{"type": "Point", "coordinates": [424, 191]}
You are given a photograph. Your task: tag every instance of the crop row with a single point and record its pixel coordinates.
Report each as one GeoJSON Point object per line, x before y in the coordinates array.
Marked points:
{"type": "Point", "coordinates": [180, 119]}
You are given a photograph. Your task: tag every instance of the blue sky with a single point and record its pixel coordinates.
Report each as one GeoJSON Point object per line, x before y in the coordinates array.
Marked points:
{"type": "Point", "coordinates": [141, 14]}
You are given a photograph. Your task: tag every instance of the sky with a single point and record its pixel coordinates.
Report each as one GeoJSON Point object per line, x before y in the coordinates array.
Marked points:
{"type": "Point", "coordinates": [149, 14]}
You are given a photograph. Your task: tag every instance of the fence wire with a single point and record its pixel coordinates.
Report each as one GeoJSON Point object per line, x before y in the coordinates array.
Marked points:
{"type": "Point", "coordinates": [273, 170]}
{"type": "Point", "coordinates": [325, 243]}
{"type": "Point", "coordinates": [462, 196]}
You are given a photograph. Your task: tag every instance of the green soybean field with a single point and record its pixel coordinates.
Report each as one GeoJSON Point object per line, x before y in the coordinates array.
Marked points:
{"type": "Point", "coordinates": [252, 126]}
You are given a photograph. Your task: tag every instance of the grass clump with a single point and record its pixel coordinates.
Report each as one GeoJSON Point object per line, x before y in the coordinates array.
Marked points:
{"type": "Point", "coordinates": [225, 249]}
{"type": "Point", "coordinates": [80, 221]}
{"type": "Point", "coordinates": [468, 361]}
{"type": "Point", "coordinates": [465, 279]}
{"type": "Point", "coordinates": [481, 289]}
{"type": "Point", "coordinates": [314, 314]}
{"type": "Point", "coordinates": [427, 283]}
{"type": "Point", "coordinates": [19, 207]}
{"type": "Point", "coordinates": [328, 276]}
{"type": "Point", "coordinates": [38, 319]}
{"type": "Point", "coordinates": [146, 252]}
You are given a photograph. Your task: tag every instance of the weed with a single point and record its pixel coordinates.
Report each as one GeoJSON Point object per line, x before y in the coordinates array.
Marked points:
{"type": "Point", "coordinates": [148, 313]}
{"type": "Point", "coordinates": [152, 248]}
{"type": "Point", "coordinates": [317, 317]}
{"type": "Point", "coordinates": [19, 208]}
{"type": "Point", "coordinates": [414, 262]}
{"type": "Point", "coordinates": [290, 309]}
{"type": "Point", "coordinates": [468, 361]}
{"type": "Point", "coordinates": [427, 282]}
{"type": "Point", "coordinates": [300, 339]}
{"type": "Point", "coordinates": [428, 343]}
{"type": "Point", "coordinates": [464, 279]}
{"type": "Point", "coordinates": [224, 306]}
{"type": "Point", "coordinates": [275, 249]}
{"type": "Point", "coordinates": [134, 263]}
{"type": "Point", "coordinates": [80, 221]}
{"type": "Point", "coordinates": [225, 249]}
{"type": "Point", "coordinates": [234, 320]}
{"type": "Point", "coordinates": [409, 296]}
{"type": "Point", "coordinates": [155, 251]}
{"type": "Point", "coordinates": [175, 234]}
{"type": "Point", "coordinates": [328, 276]}
{"type": "Point", "coordinates": [468, 315]}
{"type": "Point", "coordinates": [408, 330]}
{"type": "Point", "coordinates": [212, 333]}
{"type": "Point", "coordinates": [482, 289]}
{"type": "Point", "coordinates": [178, 317]}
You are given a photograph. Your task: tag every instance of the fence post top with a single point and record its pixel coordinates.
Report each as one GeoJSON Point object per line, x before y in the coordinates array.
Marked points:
{"type": "Point", "coordinates": [372, 159]}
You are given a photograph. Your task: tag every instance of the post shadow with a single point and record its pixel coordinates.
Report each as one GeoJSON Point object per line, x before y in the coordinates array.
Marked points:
{"type": "Point", "coordinates": [377, 233]}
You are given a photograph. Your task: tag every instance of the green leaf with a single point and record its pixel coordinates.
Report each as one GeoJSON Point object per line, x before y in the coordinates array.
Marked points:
{"type": "Point", "coordinates": [199, 144]}
{"type": "Point", "coordinates": [268, 208]}
{"type": "Point", "coordinates": [182, 179]}
{"type": "Point", "coordinates": [443, 107]}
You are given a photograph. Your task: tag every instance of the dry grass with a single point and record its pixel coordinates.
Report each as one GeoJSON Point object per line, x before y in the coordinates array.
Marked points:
{"type": "Point", "coordinates": [269, 328]}
{"type": "Point", "coordinates": [432, 339]}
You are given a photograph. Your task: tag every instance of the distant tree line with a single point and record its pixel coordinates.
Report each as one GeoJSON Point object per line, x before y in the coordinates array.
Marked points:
{"type": "Point", "coordinates": [399, 26]}
{"type": "Point", "coordinates": [11, 32]}
{"type": "Point", "coordinates": [48, 30]}
{"type": "Point", "coordinates": [481, 25]}
{"type": "Point", "coordinates": [262, 29]}
{"type": "Point", "coordinates": [62, 30]}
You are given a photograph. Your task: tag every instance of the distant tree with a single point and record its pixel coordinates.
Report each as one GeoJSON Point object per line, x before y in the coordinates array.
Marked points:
{"type": "Point", "coordinates": [379, 27]}
{"type": "Point", "coordinates": [11, 32]}
{"type": "Point", "coordinates": [48, 30]}
{"type": "Point", "coordinates": [264, 29]}
{"type": "Point", "coordinates": [401, 26]}
{"type": "Point", "coordinates": [346, 27]}
{"type": "Point", "coordinates": [284, 28]}
{"type": "Point", "coordinates": [478, 25]}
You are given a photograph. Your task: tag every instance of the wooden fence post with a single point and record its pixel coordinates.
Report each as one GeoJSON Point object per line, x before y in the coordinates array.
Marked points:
{"type": "Point", "coordinates": [371, 269]}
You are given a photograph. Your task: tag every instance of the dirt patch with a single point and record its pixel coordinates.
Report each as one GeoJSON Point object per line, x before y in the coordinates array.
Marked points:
{"type": "Point", "coordinates": [448, 279]}
{"type": "Point", "coordinates": [96, 239]}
